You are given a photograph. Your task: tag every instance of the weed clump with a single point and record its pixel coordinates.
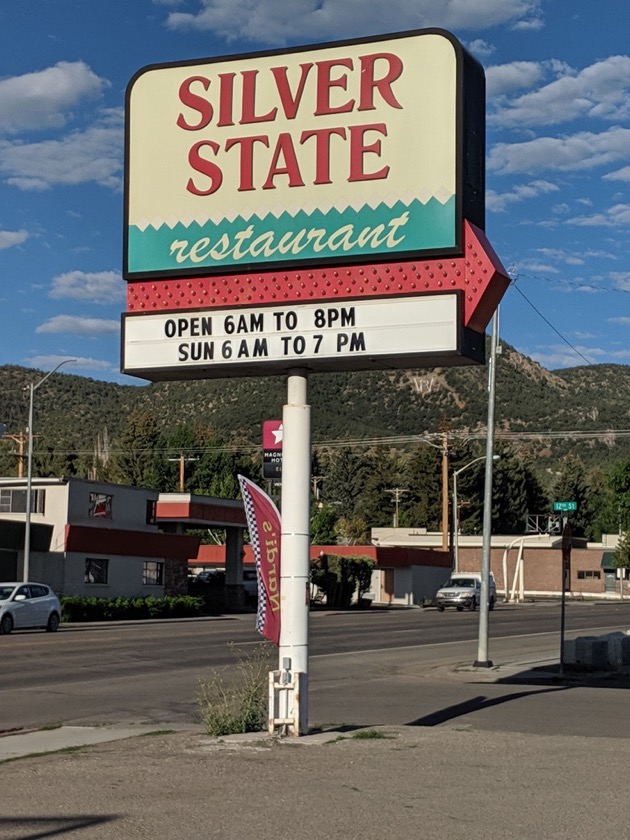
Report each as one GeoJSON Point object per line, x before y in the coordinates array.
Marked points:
{"type": "Point", "coordinates": [236, 698]}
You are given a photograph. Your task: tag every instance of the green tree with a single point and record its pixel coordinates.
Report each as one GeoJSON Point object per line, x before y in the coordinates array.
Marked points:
{"type": "Point", "coordinates": [351, 531]}
{"type": "Point", "coordinates": [384, 473]}
{"type": "Point", "coordinates": [135, 461]}
{"type": "Point", "coordinates": [49, 461]}
{"type": "Point", "coordinates": [423, 478]}
{"type": "Point", "coordinates": [516, 492]}
{"type": "Point", "coordinates": [619, 484]}
{"type": "Point", "coordinates": [345, 472]}
{"type": "Point", "coordinates": [174, 445]}
{"type": "Point", "coordinates": [342, 577]}
{"type": "Point", "coordinates": [323, 521]}
{"type": "Point", "coordinates": [604, 514]}
{"type": "Point", "coordinates": [572, 485]}
{"type": "Point", "coordinates": [216, 472]}
{"type": "Point", "coordinates": [621, 554]}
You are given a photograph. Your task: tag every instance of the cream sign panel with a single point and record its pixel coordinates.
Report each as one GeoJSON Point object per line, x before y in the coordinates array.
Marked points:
{"type": "Point", "coordinates": [326, 335]}
{"type": "Point", "coordinates": [332, 153]}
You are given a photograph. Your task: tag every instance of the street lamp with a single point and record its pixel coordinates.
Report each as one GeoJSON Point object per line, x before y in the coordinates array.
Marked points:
{"type": "Point", "coordinates": [456, 508]}
{"type": "Point", "coordinates": [29, 471]}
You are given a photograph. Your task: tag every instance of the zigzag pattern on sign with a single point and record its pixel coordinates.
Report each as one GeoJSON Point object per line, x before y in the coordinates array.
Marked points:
{"type": "Point", "coordinates": [308, 209]}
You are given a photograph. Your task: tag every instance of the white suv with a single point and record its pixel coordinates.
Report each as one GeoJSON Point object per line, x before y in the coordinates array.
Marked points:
{"type": "Point", "coordinates": [464, 590]}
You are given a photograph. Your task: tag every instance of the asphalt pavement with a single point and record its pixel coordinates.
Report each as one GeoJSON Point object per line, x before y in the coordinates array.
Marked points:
{"type": "Point", "coordinates": [512, 751]}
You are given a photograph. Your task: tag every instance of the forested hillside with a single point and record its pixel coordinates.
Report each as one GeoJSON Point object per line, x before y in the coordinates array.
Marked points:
{"type": "Point", "coordinates": [559, 434]}
{"type": "Point", "coordinates": [75, 413]}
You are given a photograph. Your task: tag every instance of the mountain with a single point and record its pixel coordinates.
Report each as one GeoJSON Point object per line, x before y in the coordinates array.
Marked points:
{"type": "Point", "coordinates": [583, 410]}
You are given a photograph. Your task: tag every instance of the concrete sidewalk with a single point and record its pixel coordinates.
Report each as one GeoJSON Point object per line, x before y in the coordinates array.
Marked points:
{"type": "Point", "coordinates": [403, 782]}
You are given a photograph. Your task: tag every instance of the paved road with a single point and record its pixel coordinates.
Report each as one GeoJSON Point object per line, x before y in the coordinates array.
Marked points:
{"type": "Point", "coordinates": [490, 754]}
{"type": "Point", "coordinates": [372, 667]}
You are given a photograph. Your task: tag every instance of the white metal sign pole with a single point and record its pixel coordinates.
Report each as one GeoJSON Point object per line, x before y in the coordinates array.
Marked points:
{"type": "Point", "coordinates": [295, 540]}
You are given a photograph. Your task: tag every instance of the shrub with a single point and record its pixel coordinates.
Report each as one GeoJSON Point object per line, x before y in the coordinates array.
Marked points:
{"type": "Point", "coordinates": [236, 700]}
{"type": "Point", "coordinates": [76, 608]}
{"type": "Point", "coordinates": [342, 577]}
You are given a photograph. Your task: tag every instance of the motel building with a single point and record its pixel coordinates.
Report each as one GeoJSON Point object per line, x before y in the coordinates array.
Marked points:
{"type": "Point", "coordinates": [93, 538]}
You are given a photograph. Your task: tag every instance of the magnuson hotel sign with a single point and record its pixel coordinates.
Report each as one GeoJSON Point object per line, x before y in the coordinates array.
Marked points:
{"type": "Point", "coordinates": [287, 208]}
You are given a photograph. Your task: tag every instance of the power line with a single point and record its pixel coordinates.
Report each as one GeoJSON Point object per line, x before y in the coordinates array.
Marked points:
{"type": "Point", "coordinates": [548, 322]}
{"type": "Point", "coordinates": [340, 443]}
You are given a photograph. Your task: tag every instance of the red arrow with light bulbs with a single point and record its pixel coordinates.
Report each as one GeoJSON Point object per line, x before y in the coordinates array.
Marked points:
{"type": "Point", "coordinates": [478, 274]}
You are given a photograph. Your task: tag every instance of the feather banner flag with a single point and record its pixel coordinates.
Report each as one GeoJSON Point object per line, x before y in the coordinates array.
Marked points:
{"type": "Point", "coordinates": [263, 523]}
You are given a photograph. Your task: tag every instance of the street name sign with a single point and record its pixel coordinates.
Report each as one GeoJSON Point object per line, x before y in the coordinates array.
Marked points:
{"type": "Point", "coordinates": [564, 506]}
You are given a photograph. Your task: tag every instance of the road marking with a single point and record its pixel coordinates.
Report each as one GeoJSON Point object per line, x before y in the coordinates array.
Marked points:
{"type": "Point", "coordinates": [554, 633]}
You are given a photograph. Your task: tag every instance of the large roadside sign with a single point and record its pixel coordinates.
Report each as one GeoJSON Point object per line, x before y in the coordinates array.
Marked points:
{"type": "Point", "coordinates": [321, 206]}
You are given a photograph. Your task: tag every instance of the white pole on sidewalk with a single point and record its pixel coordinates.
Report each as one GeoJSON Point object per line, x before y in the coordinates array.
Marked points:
{"type": "Point", "coordinates": [482, 660]}
{"type": "Point", "coordinates": [295, 539]}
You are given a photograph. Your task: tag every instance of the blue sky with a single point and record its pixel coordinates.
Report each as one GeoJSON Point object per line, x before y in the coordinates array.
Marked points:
{"type": "Point", "coordinates": [558, 156]}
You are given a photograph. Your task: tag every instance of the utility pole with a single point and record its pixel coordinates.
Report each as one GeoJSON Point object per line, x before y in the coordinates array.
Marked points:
{"type": "Point", "coordinates": [20, 438]}
{"type": "Point", "coordinates": [397, 493]}
{"type": "Point", "coordinates": [182, 458]}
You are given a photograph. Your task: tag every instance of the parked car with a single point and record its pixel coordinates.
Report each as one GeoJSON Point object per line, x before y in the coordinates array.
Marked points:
{"type": "Point", "coordinates": [26, 605]}
{"type": "Point", "coordinates": [464, 590]}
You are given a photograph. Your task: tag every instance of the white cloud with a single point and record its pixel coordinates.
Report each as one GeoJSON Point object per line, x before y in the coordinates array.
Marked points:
{"type": "Point", "coordinates": [532, 24]}
{"type": "Point", "coordinates": [600, 91]}
{"type": "Point", "coordinates": [96, 287]}
{"type": "Point", "coordinates": [480, 48]}
{"type": "Point", "coordinates": [82, 362]}
{"type": "Point", "coordinates": [622, 174]}
{"type": "Point", "coordinates": [78, 326]}
{"type": "Point", "coordinates": [10, 238]}
{"type": "Point", "coordinates": [561, 256]}
{"type": "Point", "coordinates": [621, 280]}
{"type": "Point", "coordinates": [269, 21]}
{"type": "Point", "coordinates": [94, 155]}
{"type": "Point", "coordinates": [581, 151]}
{"type": "Point", "coordinates": [621, 319]}
{"type": "Point", "coordinates": [540, 268]}
{"type": "Point", "coordinates": [504, 78]}
{"type": "Point", "coordinates": [559, 356]}
{"type": "Point", "coordinates": [616, 216]}
{"type": "Point", "coordinates": [44, 99]}
{"type": "Point", "coordinates": [499, 202]}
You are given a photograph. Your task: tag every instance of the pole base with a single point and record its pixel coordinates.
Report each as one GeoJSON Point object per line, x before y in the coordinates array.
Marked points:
{"type": "Point", "coordinates": [486, 664]}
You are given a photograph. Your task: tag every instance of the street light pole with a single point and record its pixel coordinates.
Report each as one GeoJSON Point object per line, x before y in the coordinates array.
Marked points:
{"type": "Point", "coordinates": [482, 660]}
{"type": "Point", "coordinates": [456, 508]}
{"type": "Point", "coordinates": [29, 471]}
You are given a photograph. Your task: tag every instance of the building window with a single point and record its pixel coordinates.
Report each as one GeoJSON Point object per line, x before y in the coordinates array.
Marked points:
{"type": "Point", "coordinates": [151, 511]}
{"type": "Point", "coordinates": [96, 571]}
{"type": "Point", "coordinates": [153, 573]}
{"type": "Point", "coordinates": [100, 506]}
{"type": "Point", "coordinates": [589, 575]}
{"type": "Point", "coordinates": [14, 501]}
